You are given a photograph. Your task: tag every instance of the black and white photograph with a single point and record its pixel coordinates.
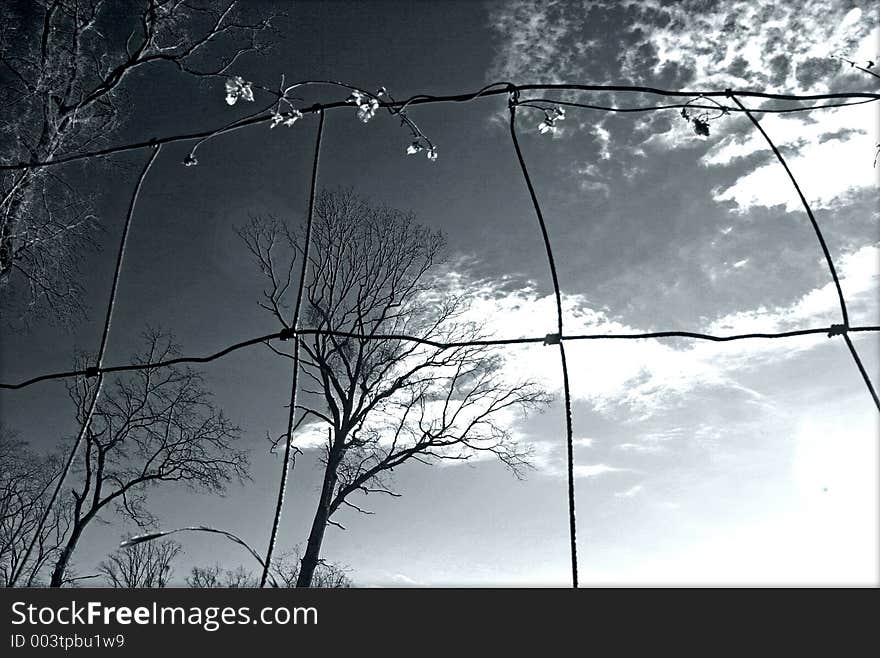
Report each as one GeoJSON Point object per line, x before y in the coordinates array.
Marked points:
{"type": "Point", "coordinates": [502, 294]}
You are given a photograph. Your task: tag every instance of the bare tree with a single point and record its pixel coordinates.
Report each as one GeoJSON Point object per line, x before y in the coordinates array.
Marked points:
{"type": "Point", "coordinates": [217, 577]}
{"type": "Point", "coordinates": [329, 575]}
{"type": "Point", "coordinates": [386, 401]}
{"type": "Point", "coordinates": [142, 565]}
{"type": "Point", "coordinates": [156, 425]}
{"type": "Point", "coordinates": [66, 66]}
{"type": "Point", "coordinates": [25, 479]}
{"type": "Point", "coordinates": [285, 573]}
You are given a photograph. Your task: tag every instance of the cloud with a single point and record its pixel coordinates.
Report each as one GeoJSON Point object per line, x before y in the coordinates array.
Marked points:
{"type": "Point", "coordinates": [819, 527]}
{"type": "Point", "coordinates": [641, 375]}
{"type": "Point", "coordinates": [771, 46]}
{"type": "Point", "coordinates": [402, 580]}
{"type": "Point", "coordinates": [593, 470]}
{"type": "Point", "coordinates": [829, 157]}
{"type": "Point", "coordinates": [725, 43]}
{"type": "Point", "coordinates": [651, 375]}
{"type": "Point", "coordinates": [642, 379]}
{"type": "Point", "coordinates": [652, 443]}
{"type": "Point", "coordinates": [860, 281]}
{"type": "Point", "coordinates": [632, 492]}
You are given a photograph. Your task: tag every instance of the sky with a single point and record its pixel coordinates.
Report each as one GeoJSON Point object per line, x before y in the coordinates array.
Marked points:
{"type": "Point", "coordinates": [751, 462]}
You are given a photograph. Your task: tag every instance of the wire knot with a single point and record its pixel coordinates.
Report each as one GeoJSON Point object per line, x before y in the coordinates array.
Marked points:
{"type": "Point", "coordinates": [513, 98]}
{"type": "Point", "coordinates": [728, 92]}
{"type": "Point", "coordinates": [287, 334]}
{"type": "Point", "coordinates": [93, 371]}
{"type": "Point", "coordinates": [837, 330]}
{"type": "Point", "coordinates": [552, 339]}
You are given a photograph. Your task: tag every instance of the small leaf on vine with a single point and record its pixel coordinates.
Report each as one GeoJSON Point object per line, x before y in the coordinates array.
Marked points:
{"type": "Point", "coordinates": [366, 105]}
{"type": "Point", "coordinates": [292, 117]}
{"type": "Point", "coordinates": [238, 88]}
{"type": "Point", "coordinates": [413, 148]}
{"type": "Point", "coordinates": [701, 127]}
{"type": "Point", "coordinates": [356, 97]}
{"type": "Point", "coordinates": [287, 118]}
{"type": "Point", "coordinates": [685, 114]}
{"type": "Point", "coordinates": [190, 161]}
{"type": "Point", "coordinates": [432, 153]}
{"type": "Point", "coordinates": [367, 110]}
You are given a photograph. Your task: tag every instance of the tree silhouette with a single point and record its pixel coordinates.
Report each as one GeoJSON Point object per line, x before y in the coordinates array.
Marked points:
{"type": "Point", "coordinates": [216, 576]}
{"type": "Point", "coordinates": [25, 480]}
{"type": "Point", "coordinates": [285, 573]}
{"type": "Point", "coordinates": [66, 68]}
{"type": "Point", "coordinates": [141, 565]}
{"type": "Point", "coordinates": [382, 402]}
{"type": "Point", "coordinates": [329, 575]}
{"type": "Point", "coordinates": [157, 425]}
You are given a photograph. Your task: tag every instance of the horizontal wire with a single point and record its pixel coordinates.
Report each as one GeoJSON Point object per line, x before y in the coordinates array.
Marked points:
{"type": "Point", "coordinates": [676, 106]}
{"type": "Point", "coordinates": [285, 335]}
{"type": "Point", "coordinates": [425, 99]}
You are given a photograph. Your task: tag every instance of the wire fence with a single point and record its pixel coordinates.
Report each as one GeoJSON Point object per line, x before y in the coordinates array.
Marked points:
{"type": "Point", "coordinates": [293, 332]}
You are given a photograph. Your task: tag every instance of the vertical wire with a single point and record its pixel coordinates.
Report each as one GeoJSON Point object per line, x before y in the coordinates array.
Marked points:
{"type": "Point", "coordinates": [282, 485]}
{"type": "Point", "coordinates": [105, 335]}
{"type": "Point", "coordinates": [572, 522]}
{"type": "Point", "coordinates": [828, 260]}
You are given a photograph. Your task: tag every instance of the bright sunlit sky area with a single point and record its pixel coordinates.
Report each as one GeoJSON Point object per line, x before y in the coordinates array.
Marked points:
{"type": "Point", "coordinates": [748, 462]}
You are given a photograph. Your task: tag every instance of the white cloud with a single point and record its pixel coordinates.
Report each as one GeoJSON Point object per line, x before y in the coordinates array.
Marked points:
{"type": "Point", "coordinates": [593, 470]}
{"type": "Point", "coordinates": [834, 155]}
{"type": "Point", "coordinates": [640, 447]}
{"type": "Point", "coordinates": [632, 492]}
{"type": "Point", "coordinates": [771, 46]}
{"type": "Point", "coordinates": [653, 442]}
{"type": "Point", "coordinates": [643, 377]}
{"type": "Point", "coordinates": [724, 41]}
{"type": "Point", "coordinates": [821, 527]}
{"type": "Point", "coordinates": [649, 375]}
{"type": "Point", "coordinates": [860, 281]}
{"type": "Point", "coordinates": [402, 580]}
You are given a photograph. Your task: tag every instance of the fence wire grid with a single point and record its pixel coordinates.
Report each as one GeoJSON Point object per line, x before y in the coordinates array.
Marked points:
{"type": "Point", "coordinates": [698, 100]}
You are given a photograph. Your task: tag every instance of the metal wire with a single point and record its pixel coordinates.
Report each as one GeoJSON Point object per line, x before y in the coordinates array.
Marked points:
{"type": "Point", "coordinates": [492, 342]}
{"type": "Point", "coordinates": [821, 238]}
{"type": "Point", "coordinates": [569, 439]}
{"type": "Point", "coordinates": [96, 393]}
{"type": "Point", "coordinates": [426, 99]}
{"type": "Point", "coordinates": [288, 446]}
{"type": "Point", "coordinates": [559, 338]}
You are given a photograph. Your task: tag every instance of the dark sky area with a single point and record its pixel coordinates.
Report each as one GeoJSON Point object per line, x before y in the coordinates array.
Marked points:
{"type": "Point", "coordinates": [696, 463]}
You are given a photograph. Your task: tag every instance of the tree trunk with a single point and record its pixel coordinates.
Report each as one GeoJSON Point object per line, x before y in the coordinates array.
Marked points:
{"type": "Point", "coordinates": [64, 559]}
{"type": "Point", "coordinates": [311, 558]}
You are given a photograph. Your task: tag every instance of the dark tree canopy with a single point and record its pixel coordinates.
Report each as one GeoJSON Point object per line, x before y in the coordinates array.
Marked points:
{"type": "Point", "coordinates": [65, 70]}
{"type": "Point", "coordinates": [154, 426]}
{"type": "Point", "coordinates": [142, 565]}
{"type": "Point", "coordinates": [284, 573]}
{"type": "Point", "coordinates": [25, 481]}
